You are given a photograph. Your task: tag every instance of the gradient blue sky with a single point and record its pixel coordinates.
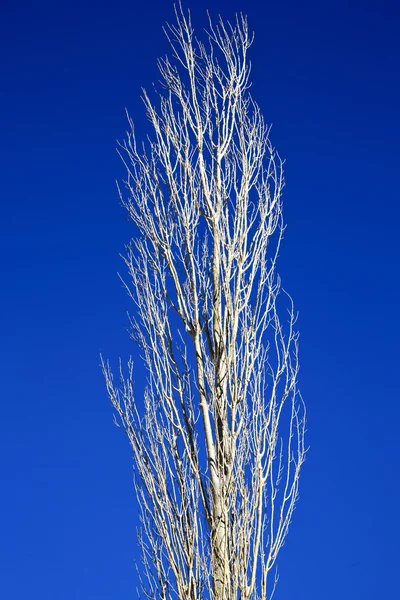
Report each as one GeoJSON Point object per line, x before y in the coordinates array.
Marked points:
{"type": "Point", "coordinates": [327, 75]}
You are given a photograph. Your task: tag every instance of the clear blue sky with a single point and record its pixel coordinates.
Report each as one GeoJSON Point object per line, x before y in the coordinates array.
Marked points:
{"type": "Point", "coordinates": [327, 75]}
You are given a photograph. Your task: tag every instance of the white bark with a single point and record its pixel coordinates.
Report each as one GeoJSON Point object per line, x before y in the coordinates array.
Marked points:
{"type": "Point", "coordinates": [218, 441]}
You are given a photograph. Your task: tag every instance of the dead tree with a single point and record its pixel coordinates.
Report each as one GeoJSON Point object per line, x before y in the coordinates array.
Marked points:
{"type": "Point", "coordinates": [218, 432]}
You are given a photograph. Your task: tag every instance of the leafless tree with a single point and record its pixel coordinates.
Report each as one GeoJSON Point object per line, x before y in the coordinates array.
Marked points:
{"type": "Point", "coordinates": [218, 432]}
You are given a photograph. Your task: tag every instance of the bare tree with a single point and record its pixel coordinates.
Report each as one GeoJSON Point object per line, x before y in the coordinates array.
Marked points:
{"type": "Point", "coordinates": [218, 433]}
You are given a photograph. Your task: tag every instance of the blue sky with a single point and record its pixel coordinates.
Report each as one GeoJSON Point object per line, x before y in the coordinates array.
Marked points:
{"type": "Point", "coordinates": [326, 75]}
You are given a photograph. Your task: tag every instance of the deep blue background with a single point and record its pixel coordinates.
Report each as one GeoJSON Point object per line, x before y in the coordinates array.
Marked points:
{"type": "Point", "coordinates": [327, 75]}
